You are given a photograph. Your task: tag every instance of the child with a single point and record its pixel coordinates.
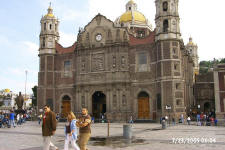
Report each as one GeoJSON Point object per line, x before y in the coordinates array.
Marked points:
{"type": "Point", "coordinates": [71, 132]}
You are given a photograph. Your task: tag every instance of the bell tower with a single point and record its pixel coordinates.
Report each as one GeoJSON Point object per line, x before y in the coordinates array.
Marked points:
{"type": "Point", "coordinates": [49, 35]}
{"type": "Point", "coordinates": [169, 48]}
{"type": "Point", "coordinates": [167, 20]}
{"type": "Point", "coordinates": [193, 51]}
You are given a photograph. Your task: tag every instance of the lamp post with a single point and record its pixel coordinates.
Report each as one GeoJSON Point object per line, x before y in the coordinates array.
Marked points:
{"type": "Point", "coordinates": [25, 88]}
{"type": "Point", "coordinates": [168, 107]}
{"type": "Point", "coordinates": [199, 108]}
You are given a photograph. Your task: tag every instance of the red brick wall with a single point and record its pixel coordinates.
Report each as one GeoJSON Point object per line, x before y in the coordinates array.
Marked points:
{"type": "Point", "coordinates": [49, 78]}
{"type": "Point", "coordinates": [166, 50]}
{"type": "Point", "coordinates": [42, 63]}
{"type": "Point", "coordinates": [221, 81]}
{"type": "Point", "coordinates": [50, 63]}
{"type": "Point", "coordinates": [222, 89]}
{"type": "Point", "coordinates": [222, 96]}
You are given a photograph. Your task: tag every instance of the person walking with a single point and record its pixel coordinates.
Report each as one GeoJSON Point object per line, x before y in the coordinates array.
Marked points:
{"type": "Point", "coordinates": [39, 119]}
{"type": "Point", "coordinates": [215, 121]}
{"type": "Point", "coordinates": [48, 128]}
{"type": "Point", "coordinates": [71, 132]}
{"type": "Point", "coordinates": [12, 119]}
{"type": "Point", "coordinates": [189, 120]}
{"type": "Point", "coordinates": [182, 118]}
{"type": "Point", "coordinates": [173, 121]}
{"type": "Point", "coordinates": [84, 125]}
{"type": "Point", "coordinates": [131, 120]}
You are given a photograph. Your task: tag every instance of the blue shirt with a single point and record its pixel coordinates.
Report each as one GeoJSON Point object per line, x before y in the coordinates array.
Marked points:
{"type": "Point", "coordinates": [73, 126]}
{"type": "Point", "coordinates": [12, 115]}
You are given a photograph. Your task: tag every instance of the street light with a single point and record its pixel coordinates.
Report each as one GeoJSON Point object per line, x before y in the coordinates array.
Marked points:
{"type": "Point", "coordinates": [25, 87]}
{"type": "Point", "coordinates": [168, 107]}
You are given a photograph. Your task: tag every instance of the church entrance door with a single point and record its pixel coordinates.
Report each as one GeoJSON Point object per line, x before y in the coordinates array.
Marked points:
{"type": "Point", "coordinates": [143, 106]}
{"type": "Point", "coordinates": [66, 106]}
{"type": "Point", "coordinates": [98, 104]}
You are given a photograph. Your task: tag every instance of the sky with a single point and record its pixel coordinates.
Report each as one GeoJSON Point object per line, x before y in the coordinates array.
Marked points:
{"type": "Point", "coordinates": [203, 20]}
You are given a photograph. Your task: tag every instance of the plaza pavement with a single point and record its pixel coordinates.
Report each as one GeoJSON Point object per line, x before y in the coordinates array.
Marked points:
{"type": "Point", "coordinates": [146, 137]}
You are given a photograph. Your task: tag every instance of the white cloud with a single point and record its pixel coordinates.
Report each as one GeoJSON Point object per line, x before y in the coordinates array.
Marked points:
{"type": "Point", "coordinates": [67, 39]}
{"type": "Point", "coordinates": [4, 40]}
{"type": "Point", "coordinates": [30, 47]}
{"type": "Point", "coordinates": [63, 10]}
{"type": "Point", "coordinates": [15, 71]}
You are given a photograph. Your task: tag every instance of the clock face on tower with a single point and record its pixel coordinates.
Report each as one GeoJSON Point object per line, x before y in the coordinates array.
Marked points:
{"type": "Point", "coordinates": [98, 37]}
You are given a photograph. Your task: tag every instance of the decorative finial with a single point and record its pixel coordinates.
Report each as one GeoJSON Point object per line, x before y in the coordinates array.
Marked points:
{"type": "Point", "coordinates": [50, 10]}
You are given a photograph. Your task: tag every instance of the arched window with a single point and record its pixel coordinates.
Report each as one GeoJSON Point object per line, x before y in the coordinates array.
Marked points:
{"type": "Point", "coordinates": [159, 103]}
{"type": "Point", "coordinates": [143, 94]}
{"type": "Point", "coordinates": [43, 42]}
{"type": "Point", "coordinates": [124, 101]}
{"type": "Point", "coordinates": [44, 26]}
{"type": "Point", "coordinates": [50, 26]}
{"type": "Point", "coordinates": [165, 6]}
{"type": "Point", "coordinates": [165, 26]}
{"type": "Point", "coordinates": [66, 98]}
{"type": "Point", "coordinates": [67, 68]}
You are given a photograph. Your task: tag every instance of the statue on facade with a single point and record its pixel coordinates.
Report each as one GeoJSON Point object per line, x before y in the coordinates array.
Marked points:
{"type": "Point", "coordinates": [19, 101]}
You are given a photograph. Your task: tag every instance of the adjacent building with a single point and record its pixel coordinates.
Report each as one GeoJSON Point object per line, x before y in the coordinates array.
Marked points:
{"type": "Point", "coordinates": [219, 87]}
{"type": "Point", "coordinates": [204, 93]}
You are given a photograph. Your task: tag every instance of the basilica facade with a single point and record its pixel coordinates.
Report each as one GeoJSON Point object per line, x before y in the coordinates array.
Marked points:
{"type": "Point", "coordinates": [119, 68]}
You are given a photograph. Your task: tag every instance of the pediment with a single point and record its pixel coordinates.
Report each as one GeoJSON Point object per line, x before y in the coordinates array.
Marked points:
{"type": "Point", "coordinates": [101, 31]}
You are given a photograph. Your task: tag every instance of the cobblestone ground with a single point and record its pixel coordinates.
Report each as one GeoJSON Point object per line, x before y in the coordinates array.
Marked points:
{"type": "Point", "coordinates": [146, 137]}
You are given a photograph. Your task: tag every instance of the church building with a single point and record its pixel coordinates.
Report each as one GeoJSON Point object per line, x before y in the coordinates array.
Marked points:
{"type": "Point", "coordinates": [119, 68]}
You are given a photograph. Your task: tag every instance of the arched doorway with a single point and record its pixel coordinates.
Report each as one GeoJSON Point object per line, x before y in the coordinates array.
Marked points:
{"type": "Point", "coordinates": [66, 106]}
{"type": "Point", "coordinates": [98, 104]}
{"type": "Point", "coordinates": [207, 107]}
{"type": "Point", "coordinates": [143, 106]}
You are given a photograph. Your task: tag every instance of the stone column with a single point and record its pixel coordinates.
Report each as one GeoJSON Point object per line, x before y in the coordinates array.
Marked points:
{"type": "Point", "coordinates": [108, 100]}
{"type": "Point", "coordinates": [217, 92]}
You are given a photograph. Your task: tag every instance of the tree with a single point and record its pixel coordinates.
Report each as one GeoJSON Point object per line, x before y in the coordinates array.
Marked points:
{"type": "Point", "coordinates": [34, 98]}
{"type": "Point", "coordinates": [222, 60]}
{"type": "Point", "coordinates": [206, 65]}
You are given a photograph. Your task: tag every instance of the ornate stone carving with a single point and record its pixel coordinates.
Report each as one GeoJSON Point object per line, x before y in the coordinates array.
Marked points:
{"type": "Point", "coordinates": [173, 7]}
{"type": "Point", "coordinates": [123, 61]}
{"type": "Point", "coordinates": [157, 8]}
{"type": "Point", "coordinates": [124, 101]}
{"type": "Point", "coordinates": [114, 61]}
{"type": "Point", "coordinates": [125, 36]}
{"type": "Point", "coordinates": [158, 27]}
{"type": "Point", "coordinates": [83, 64]}
{"type": "Point", "coordinates": [97, 62]}
{"type": "Point", "coordinates": [98, 19]}
{"type": "Point", "coordinates": [174, 25]}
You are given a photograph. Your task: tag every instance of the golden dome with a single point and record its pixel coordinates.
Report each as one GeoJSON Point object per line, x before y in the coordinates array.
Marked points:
{"type": "Point", "coordinates": [191, 43]}
{"type": "Point", "coordinates": [131, 2]}
{"type": "Point", "coordinates": [50, 12]}
{"type": "Point", "coordinates": [132, 15]}
{"type": "Point", "coordinates": [49, 15]}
